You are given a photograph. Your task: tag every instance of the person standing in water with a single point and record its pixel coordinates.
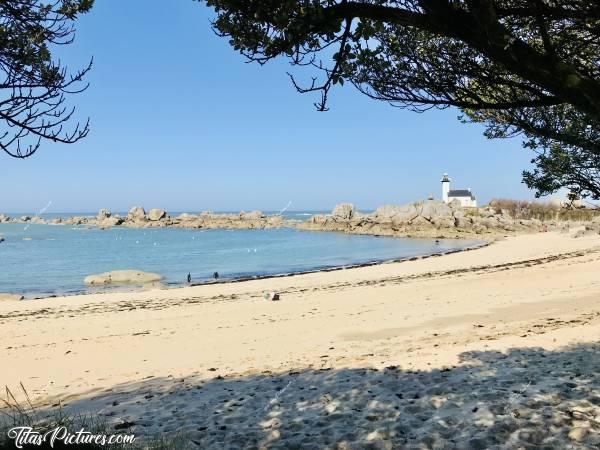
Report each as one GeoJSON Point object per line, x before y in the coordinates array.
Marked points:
{"type": "Point", "coordinates": [216, 275]}
{"type": "Point", "coordinates": [189, 278]}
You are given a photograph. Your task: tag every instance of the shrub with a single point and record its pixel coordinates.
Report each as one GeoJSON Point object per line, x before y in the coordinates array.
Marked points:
{"type": "Point", "coordinates": [23, 414]}
{"type": "Point", "coordinates": [523, 209]}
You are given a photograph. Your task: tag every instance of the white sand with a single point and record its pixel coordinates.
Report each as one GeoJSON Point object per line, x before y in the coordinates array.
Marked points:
{"type": "Point", "coordinates": [492, 348]}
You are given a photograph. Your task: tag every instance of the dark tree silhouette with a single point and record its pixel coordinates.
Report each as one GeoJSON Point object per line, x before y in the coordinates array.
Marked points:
{"type": "Point", "coordinates": [33, 85]}
{"type": "Point", "coordinates": [521, 67]}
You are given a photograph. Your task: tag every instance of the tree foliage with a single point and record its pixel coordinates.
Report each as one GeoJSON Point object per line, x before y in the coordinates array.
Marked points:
{"type": "Point", "coordinates": [521, 67]}
{"type": "Point", "coordinates": [33, 85]}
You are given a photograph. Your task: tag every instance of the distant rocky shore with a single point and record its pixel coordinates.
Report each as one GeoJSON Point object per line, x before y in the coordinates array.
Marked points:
{"type": "Point", "coordinates": [434, 219]}
{"type": "Point", "coordinates": [426, 219]}
{"type": "Point", "coordinates": [137, 217]}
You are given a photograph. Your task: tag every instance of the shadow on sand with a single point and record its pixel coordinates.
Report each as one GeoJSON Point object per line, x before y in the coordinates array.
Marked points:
{"type": "Point", "coordinates": [526, 398]}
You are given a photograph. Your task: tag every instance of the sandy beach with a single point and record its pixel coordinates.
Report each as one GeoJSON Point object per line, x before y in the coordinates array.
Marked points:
{"type": "Point", "coordinates": [497, 347]}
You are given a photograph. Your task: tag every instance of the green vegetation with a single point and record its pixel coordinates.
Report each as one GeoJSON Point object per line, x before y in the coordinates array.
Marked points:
{"type": "Point", "coordinates": [24, 414]}
{"type": "Point", "coordinates": [523, 209]}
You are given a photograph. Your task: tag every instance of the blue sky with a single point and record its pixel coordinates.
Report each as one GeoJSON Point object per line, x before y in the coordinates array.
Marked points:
{"type": "Point", "coordinates": [181, 122]}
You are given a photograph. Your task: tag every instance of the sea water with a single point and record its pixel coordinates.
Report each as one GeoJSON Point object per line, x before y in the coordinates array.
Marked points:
{"type": "Point", "coordinates": [55, 259]}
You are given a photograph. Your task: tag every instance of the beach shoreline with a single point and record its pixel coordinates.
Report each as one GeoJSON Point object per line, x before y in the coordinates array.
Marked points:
{"type": "Point", "coordinates": [448, 333]}
{"type": "Point", "coordinates": [108, 289]}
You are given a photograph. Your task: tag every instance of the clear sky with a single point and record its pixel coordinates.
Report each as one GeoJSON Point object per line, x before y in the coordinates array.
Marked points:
{"type": "Point", "coordinates": [181, 122]}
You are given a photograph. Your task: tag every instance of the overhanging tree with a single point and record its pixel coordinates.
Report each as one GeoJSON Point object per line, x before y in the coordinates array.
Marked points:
{"type": "Point", "coordinates": [34, 86]}
{"type": "Point", "coordinates": [521, 67]}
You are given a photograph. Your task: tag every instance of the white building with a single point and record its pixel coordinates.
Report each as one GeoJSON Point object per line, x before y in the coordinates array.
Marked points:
{"type": "Point", "coordinates": [464, 196]}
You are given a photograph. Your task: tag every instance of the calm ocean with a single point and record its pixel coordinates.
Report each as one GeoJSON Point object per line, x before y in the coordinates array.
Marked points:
{"type": "Point", "coordinates": [54, 259]}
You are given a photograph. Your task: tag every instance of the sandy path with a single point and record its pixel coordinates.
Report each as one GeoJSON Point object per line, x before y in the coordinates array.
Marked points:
{"type": "Point", "coordinates": [423, 317]}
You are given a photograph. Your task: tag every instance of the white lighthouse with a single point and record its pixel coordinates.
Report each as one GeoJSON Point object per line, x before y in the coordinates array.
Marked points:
{"type": "Point", "coordinates": [445, 187]}
{"type": "Point", "coordinates": [464, 196]}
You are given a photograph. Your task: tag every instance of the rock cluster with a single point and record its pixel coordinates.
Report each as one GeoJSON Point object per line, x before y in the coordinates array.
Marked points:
{"type": "Point", "coordinates": [429, 218]}
{"type": "Point", "coordinates": [243, 220]}
{"type": "Point", "coordinates": [137, 217]}
{"type": "Point", "coordinates": [156, 214]}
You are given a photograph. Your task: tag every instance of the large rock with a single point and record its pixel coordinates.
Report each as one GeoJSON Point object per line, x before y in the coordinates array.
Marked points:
{"type": "Point", "coordinates": [156, 214]}
{"type": "Point", "coordinates": [136, 213]}
{"type": "Point", "coordinates": [275, 221]}
{"type": "Point", "coordinates": [434, 210]}
{"type": "Point", "coordinates": [122, 277]}
{"type": "Point", "coordinates": [455, 204]}
{"type": "Point", "coordinates": [76, 220]}
{"type": "Point", "coordinates": [397, 214]}
{"type": "Point", "coordinates": [429, 211]}
{"type": "Point", "coordinates": [4, 218]}
{"type": "Point", "coordinates": [252, 215]}
{"type": "Point", "coordinates": [108, 222]}
{"type": "Point", "coordinates": [103, 214]}
{"type": "Point", "coordinates": [343, 211]}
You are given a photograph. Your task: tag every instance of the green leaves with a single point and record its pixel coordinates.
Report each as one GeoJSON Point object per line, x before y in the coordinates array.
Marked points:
{"type": "Point", "coordinates": [70, 8]}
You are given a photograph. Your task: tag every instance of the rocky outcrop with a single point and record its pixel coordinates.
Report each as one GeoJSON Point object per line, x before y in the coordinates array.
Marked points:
{"type": "Point", "coordinates": [38, 220]}
{"type": "Point", "coordinates": [159, 218]}
{"type": "Point", "coordinates": [122, 277]}
{"type": "Point", "coordinates": [77, 220]}
{"type": "Point", "coordinates": [156, 214]}
{"type": "Point", "coordinates": [243, 220]}
{"type": "Point", "coordinates": [429, 218]}
{"type": "Point", "coordinates": [396, 214]}
{"type": "Point", "coordinates": [252, 215]}
{"type": "Point", "coordinates": [136, 213]}
{"type": "Point", "coordinates": [103, 214]}
{"type": "Point", "coordinates": [343, 211]}
{"type": "Point", "coordinates": [108, 222]}
{"type": "Point", "coordinates": [23, 219]}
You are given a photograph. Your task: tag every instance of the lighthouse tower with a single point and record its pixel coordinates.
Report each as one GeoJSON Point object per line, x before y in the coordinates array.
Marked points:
{"type": "Point", "coordinates": [445, 187]}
